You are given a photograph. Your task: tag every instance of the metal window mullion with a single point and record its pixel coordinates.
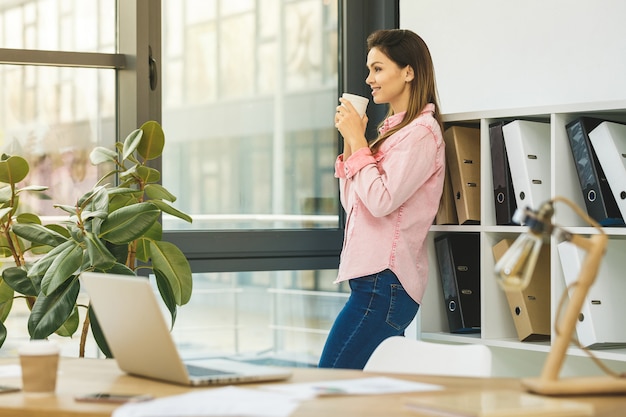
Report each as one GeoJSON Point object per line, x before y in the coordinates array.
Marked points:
{"type": "Point", "coordinates": [62, 58]}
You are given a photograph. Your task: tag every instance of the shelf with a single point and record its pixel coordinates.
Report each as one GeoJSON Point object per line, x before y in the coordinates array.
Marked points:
{"type": "Point", "coordinates": [497, 326]}
{"type": "Point", "coordinates": [600, 107]}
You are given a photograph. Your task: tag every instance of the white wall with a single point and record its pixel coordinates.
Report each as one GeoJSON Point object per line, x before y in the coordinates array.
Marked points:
{"type": "Point", "coordinates": [504, 54]}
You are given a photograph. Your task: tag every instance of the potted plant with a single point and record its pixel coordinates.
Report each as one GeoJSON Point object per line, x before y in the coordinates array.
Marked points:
{"type": "Point", "coordinates": [112, 228]}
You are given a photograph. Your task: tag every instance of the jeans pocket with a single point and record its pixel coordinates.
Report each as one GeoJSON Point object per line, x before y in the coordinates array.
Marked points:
{"type": "Point", "coordinates": [402, 308]}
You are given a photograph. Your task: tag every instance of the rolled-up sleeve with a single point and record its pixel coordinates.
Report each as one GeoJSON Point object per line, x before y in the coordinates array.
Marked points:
{"type": "Point", "coordinates": [357, 161]}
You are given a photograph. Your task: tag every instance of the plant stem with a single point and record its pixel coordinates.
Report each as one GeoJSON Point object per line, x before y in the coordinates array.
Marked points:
{"type": "Point", "coordinates": [83, 336]}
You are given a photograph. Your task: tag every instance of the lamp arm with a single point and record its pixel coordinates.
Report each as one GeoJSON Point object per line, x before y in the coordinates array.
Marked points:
{"type": "Point", "coordinates": [595, 246]}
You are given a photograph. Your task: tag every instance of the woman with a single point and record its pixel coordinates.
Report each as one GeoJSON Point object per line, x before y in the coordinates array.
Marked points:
{"type": "Point", "coordinates": [390, 189]}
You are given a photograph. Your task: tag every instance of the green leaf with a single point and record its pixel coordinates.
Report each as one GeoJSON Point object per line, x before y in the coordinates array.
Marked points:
{"type": "Point", "coordinates": [69, 327]}
{"type": "Point", "coordinates": [37, 233]}
{"type": "Point", "coordinates": [152, 142]}
{"type": "Point", "coordinates": [6, 300]}
{"type": "Point", "coordinates": [119, 269]}
{"type": "Point", "coordinates": [40, 249]}
{"type": "Point", "coordinates": [129, 223]}
{"type": "Point", "coordinates": [129, 176]}
{"type": "Point", "coordinates": [41, 266]}
{"type": "Point", "coordinates": [96, 199]}
{"type": "Point", "coordinates": [122, 199]}
{"type": "Point", "coordinates": [133, 193]}
{"type": "Point", "coordinates": [100, 154]}
{"type": "Point", "coordinates": [120, 252]}
{"type": "Point", "coordinates": [143, 244]}
{"type": "Point", "coordinates": [5, 194]}
{"type": "Point", "coordinates": [166, 208]}
{"type": "Point", "coordinates": [98, 335]}
{"type": "Point", "coordinates": [28, 218]}
{"type": "Point", "coordinates": [59, 229]}
{"type": "Point", "coordinates": [64, 265]}
{"type": "Point", "coordinates": [167, 295]}
{"type": "Point", "coordinates": [99, 255]}
{"type": "Point", "coordinates": [13, 169]}
{"type": "Point", "coordinates": [131, 143]}
{"type": "Point", "coordinates": [5, 212]}
{"type": "Point", "coordinates": [37, 188]}
{"type": "Point", "coordinates": [3, 334]}
{"type": "Point", "coordinates": [52, 310]}
{"type": "Point", "coordinates": [155, 232]}
{"type": "Point", "coordinates": [77, 234]}
{"type": "Point", "coordinates": [66, 208]}
{"type": "Point", "coordinates": [172, 264]}
{"type": "Point", "coordinates": [17, 278]}
{"type": "Point", "coordinates": [158, 192]}
{"type": "Point", "coordinates": [97, 214]}
{"type": "Point", "coordinates": [142, 250]}
{"type": "Point", "coordinates": [148, 175]}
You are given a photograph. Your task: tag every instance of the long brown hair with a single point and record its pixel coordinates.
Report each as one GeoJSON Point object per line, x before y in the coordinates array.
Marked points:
{"type": "Point", "coordinates": [405, 47]}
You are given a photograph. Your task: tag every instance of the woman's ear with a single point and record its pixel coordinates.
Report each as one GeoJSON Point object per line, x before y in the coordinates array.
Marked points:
{"type": "Point", "coordinates": [409, 74]}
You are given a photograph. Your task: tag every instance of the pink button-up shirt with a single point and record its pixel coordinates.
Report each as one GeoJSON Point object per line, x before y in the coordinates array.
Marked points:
{"type": "Point", "coordinates": [391, 199]}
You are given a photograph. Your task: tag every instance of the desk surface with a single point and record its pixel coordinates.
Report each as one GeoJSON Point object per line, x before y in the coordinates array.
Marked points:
{"type": "Point", "coordinates": [82, 376]}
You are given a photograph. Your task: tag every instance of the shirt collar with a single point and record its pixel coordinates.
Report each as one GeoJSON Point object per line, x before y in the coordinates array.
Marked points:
{"type": "Point", "coordinates": [395, 119]}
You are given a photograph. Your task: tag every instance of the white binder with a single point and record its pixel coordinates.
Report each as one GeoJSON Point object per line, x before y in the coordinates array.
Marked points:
{"type": "Point", "coordinates": [597, 327]}
{"type": "Point", "coordinates": [528, 151]}
{"type": "Point", "coordinates": [609, 142]}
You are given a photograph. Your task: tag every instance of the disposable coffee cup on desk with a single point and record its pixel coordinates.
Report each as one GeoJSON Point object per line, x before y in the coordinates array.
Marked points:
{"type": "Point", "coordinates": [359, 102]}
{"type": "Point", "coordinates": [39, 360]}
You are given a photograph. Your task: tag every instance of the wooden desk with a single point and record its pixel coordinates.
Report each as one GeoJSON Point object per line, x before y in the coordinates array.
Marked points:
{"type": "Point", "coordinates": [82, 376]}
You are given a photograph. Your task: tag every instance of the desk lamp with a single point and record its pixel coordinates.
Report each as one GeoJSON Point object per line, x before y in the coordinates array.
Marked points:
{"type": "Point", "coordinates": [514, 271]}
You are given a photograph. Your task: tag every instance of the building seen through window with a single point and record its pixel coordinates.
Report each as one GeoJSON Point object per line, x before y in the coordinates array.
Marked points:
{"type": "Point", "coordinates": [249, 93]}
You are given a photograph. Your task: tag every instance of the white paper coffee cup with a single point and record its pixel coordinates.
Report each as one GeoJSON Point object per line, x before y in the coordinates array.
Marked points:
{"type": "Point", "coordinates": [39, 360]}
{"type": "Point", "coordinates": [359, 102]}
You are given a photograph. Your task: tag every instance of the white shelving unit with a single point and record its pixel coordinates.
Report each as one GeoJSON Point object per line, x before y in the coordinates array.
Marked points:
{"type": "Point", "coordinates": [497, 327]}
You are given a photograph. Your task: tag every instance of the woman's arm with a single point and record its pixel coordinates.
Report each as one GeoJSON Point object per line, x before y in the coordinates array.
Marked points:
{"type": "Point", "coordinates": [403, 169]}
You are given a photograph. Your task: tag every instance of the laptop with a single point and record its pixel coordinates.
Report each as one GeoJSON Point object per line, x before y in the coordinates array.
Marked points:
{"type": "Point", "coordinates": [139, 338]}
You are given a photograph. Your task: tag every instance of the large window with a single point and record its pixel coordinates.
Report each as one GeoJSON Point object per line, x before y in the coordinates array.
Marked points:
{"type": "Point", "coordinates": [245, 90]}
{"type": "Point", "coordinates": [249, 90]}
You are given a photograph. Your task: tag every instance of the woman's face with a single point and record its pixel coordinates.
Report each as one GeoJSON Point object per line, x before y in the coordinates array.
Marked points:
{"type": "Point", "coordinates": [389, 83]}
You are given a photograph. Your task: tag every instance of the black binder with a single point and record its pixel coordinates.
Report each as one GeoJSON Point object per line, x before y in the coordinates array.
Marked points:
{"type": "Point", "coordinates": [458, 258]}
{"type": "Point", "coordinates": [503, 193]}
{"type": "Point", "coordinates": [599, 200]}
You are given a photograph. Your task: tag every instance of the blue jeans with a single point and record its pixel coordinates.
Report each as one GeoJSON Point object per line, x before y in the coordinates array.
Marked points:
{"type": "Point", "coordinates": [378, 308]}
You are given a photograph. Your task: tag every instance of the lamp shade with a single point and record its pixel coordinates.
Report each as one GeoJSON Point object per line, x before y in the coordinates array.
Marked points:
{"type": "Point", "coordinates": [515, 269]}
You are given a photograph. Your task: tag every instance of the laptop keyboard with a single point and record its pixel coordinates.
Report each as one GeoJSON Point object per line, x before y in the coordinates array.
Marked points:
{"type": "Point", "coordinates": [202, 371]}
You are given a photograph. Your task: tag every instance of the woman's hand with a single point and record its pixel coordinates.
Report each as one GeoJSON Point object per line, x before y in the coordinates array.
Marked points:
{"type": "Point", "coordinates": [351, 126]}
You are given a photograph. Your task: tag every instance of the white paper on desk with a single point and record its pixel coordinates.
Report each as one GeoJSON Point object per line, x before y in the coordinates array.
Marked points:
{"type": "Point", "coordinates": [357, 386]}
{"type": "Point", "coordinates": [227, 401]}
{"type": "Point", "coordinates": [10, 371]}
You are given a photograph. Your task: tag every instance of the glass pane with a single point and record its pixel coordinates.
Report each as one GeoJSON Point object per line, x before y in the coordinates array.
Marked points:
{"type": "Point", "coordinates": [54, 117]}
{"type": "Point", "coordinates": [249, 92]}
{"type": "Point", "coordinates": [274, 315]}
{"type": "Point", "coordinates": [59, 25]}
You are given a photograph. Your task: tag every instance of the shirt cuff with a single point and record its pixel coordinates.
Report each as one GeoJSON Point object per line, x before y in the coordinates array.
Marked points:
{"type": "Point", "coordinates": [339, 167]}
{"type": "Point", "coordinates": [357, 161]}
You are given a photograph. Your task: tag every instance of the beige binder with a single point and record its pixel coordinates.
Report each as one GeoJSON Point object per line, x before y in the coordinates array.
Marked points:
{"type": "Point", "coordinates": [447, 208]}
{"type": "Point", "coordinates": [463, 158]}
{"type": "Point", "coordinates": [530, 308]}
